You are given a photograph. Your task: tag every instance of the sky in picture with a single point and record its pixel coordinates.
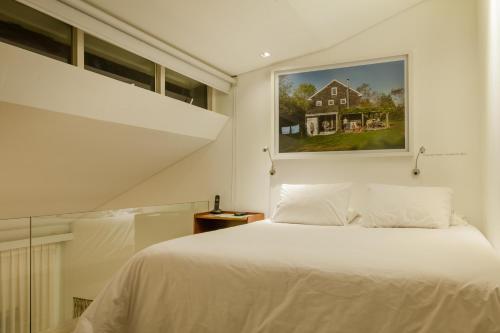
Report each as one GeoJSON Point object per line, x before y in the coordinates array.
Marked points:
{"type": "Point", "coordinates": [382, 77]}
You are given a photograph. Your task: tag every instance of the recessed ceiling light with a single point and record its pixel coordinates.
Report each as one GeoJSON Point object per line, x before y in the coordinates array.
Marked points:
{"type": "Point", "coordinates": [265, 54]}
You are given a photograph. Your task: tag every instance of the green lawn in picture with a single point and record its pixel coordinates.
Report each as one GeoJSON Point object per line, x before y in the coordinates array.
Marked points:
{"type": "Point", "coordinates": [391, 138]}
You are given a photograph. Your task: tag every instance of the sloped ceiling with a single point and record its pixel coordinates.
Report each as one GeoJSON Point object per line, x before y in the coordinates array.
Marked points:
{"type": "Point", "coordinates": [231, 34]}
{"type": "Point", "coordinates": [54, 163]}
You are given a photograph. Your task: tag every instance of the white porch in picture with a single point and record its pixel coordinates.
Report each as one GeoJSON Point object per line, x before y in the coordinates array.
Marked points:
{"type": "Point", "coordinates": [322, 123]}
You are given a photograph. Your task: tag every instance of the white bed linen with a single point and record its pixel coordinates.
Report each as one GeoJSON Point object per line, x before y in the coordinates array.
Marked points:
{"type": "Point", "coordinates": [275, 277]}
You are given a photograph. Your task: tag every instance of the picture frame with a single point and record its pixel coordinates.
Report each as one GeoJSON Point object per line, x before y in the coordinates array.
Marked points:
{"type": "Point", "coordinates": [375, 121]}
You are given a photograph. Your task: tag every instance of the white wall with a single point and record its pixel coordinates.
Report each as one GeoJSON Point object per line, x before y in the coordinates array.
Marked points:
{"type": "Point", "coordinates": [442, 38]}
{"type": "Point", "coordinates": [71, 139]}
{"type": "Point", "coordinates": [52, 163]}
{"type": "Point", "coordinates": [489, 36]}
{"type": "Point", "coordinates": [198, 177]}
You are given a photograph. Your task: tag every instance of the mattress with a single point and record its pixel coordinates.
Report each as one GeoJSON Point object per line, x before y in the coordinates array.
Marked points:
{"type": "Point", "coordinates": [275, 277]}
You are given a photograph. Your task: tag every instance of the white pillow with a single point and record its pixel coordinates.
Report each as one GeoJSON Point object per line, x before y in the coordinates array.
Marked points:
{"type": "Point", "coordinates": [402, 206]}
{"type": "Point", "coordinates": [321, 204]}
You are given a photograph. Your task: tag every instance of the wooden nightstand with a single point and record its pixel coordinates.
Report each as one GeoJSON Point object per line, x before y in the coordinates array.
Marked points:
{"type": "Point", "coordinates": [207, 222]}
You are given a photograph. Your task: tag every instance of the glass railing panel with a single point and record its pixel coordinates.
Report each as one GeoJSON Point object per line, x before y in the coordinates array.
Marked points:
{"type": "Point", "coordinates": [75, 255]}
{"type": "Point", "coordinates": [15, 275]}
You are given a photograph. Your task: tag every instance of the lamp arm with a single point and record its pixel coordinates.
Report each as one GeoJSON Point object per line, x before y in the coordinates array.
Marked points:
{"type": "Point", "coordinates": [416, 170]}
{"type": "Point", "coordinates": [272, 171]}
{"type": "Point", "coordinates": [416, 160]}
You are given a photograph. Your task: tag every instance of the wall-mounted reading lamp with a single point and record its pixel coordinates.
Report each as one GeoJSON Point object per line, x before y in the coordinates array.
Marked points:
{"type": "Point", "coordinates": [416, 170]}
{"type": "Point", "coordinates": [272, 171]}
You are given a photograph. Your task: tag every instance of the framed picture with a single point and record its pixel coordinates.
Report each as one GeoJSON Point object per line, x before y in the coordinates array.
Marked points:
{"type": "Point", "coordinates": [350, 108]}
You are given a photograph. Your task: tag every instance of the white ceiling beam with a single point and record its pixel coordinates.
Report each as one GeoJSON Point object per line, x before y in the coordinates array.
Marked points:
{"type": "Point", "coordinates": [35, 81]}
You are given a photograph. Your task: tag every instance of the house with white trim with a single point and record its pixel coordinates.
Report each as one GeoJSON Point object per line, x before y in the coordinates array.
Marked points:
{"type": "Point", "coordinates": [323, 117]}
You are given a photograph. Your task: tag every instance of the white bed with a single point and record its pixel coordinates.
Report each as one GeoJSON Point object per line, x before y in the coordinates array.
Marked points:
{"type": "Point", "coordinates": [273, 277]}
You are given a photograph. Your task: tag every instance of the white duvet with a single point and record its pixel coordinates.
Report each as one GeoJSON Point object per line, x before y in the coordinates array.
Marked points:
{"type": "Point", "coordinates": [270, 277]}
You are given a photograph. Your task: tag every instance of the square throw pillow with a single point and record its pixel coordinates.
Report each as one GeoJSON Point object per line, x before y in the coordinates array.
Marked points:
{"type": "Point", "coordinates": [408, 206]}
{"type": "Point", "coordinates": [320, 204]}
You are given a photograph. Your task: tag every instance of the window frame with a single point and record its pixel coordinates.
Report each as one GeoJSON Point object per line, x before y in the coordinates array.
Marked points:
{"type": "Point", "coordinates": [176, 87]}
{"type": "Point", "coordinates": [336, 91]}
{"type": "Point", "coordinates": [343, 101]}
{"type": "Point", "coordinates": [331, 102]}
{"type": "Point", "coordinates": [113, 61]}
{"type": "Point", "coordinates": [318, 103]}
